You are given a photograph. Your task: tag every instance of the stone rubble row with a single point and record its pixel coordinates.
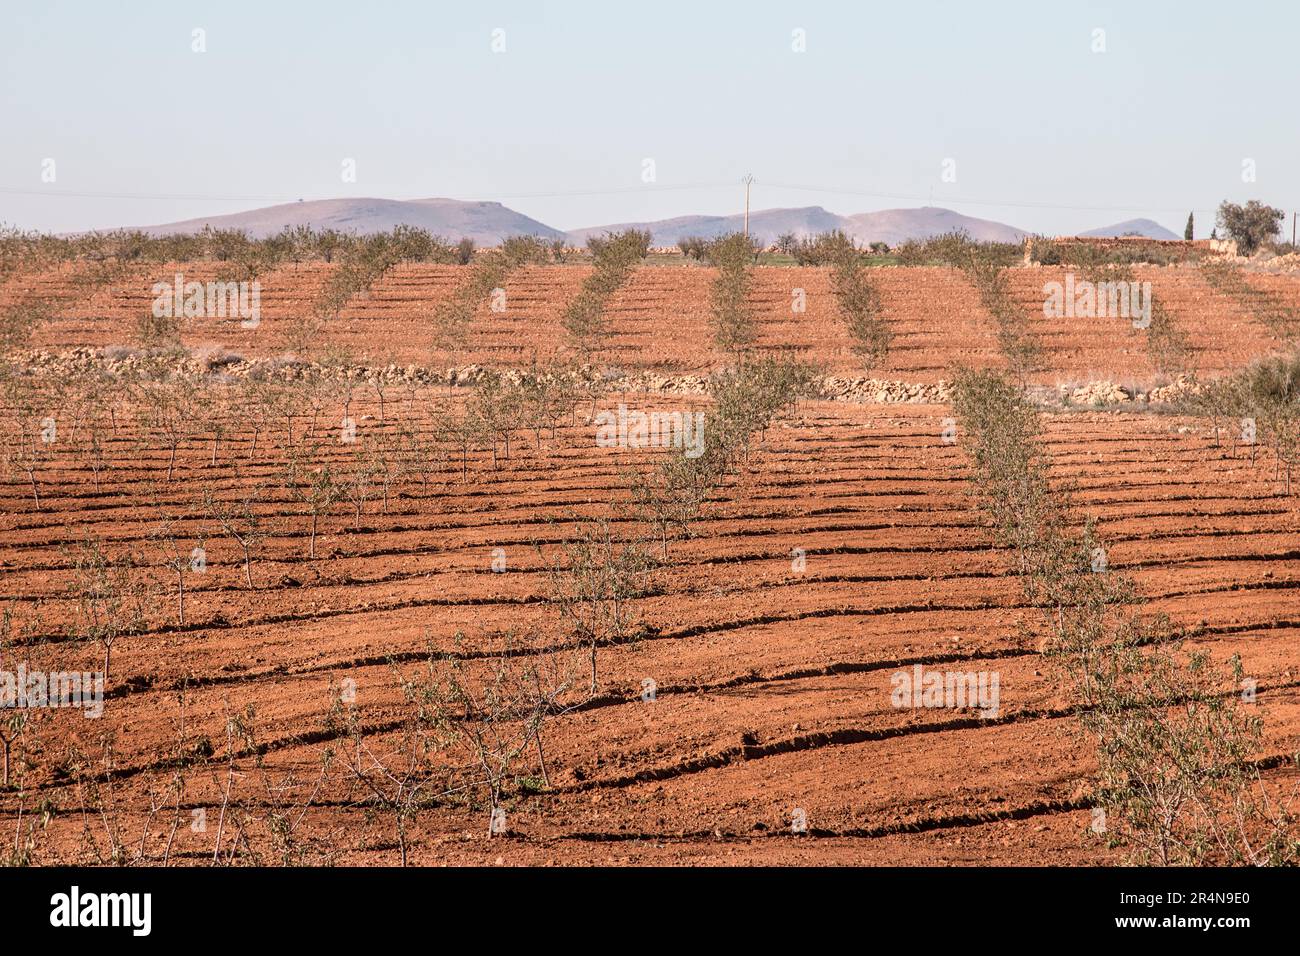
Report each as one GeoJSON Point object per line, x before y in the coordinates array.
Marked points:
{"type": "Point", "coordinates": [130, 363]}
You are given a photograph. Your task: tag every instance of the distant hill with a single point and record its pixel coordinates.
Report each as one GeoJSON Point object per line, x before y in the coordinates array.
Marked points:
{"type": "Point", "coordinates": [487, 223]}
{"type": "Point", "coordinates": [765, 224]}
{"type": "Point", "coordinates": [889, 225]}
{"type": "Point", "coordinates": [1147, 228]}
{"type": "Point", "coordinates": [895, 225]}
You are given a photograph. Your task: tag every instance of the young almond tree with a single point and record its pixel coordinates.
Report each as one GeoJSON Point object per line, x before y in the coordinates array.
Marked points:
{"type": "Point", "coordinates": [672, 495]}
{"type": "Point", "coordinates": [170, 409]}
{"type": "Point", "coordinates": [176, 553]}
{"type": "Point", "coordinates": [498, 405]}
{"type": "Point", "coordinates": [464, 430]}
{"type": "Point", "coordinates": [485, 707]}
{"type": "Point", "coordinates": [31, 432]}
{"type": "Point", "coordinates": [543, 399]}
{"type": "Point", "coordinates": [595, 583]}
{"type": "Point", "coordinates": [383, 380]}
{"type": "Point", "coordinates": [11, 731]}
{"type": "Point", "coordinates": [320, 389]}
{"type": "Point", "coordinates": [240, 521]}
{"type": "Point", "coordinates": [110, 600]}
{"type": "Point", "coordinates": [14, 725]}
{"type": "Point", "coordinates": [311, 480]}
{"type": "Point", "coordinates": [257, 406]}
{"type": "Point", "coordinates": [388, 452]}
{"type": "Point", "coordinates": [97, 455]}
{"type": "Point", "coordinates": [214, 420]}
{"type": "Point", "coordinates": [396, 779]}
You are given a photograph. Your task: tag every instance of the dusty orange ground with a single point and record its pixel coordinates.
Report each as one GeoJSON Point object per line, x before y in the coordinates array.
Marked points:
{"type": "Point", "coordinates": [659, 319]}
{"type": "Point", "coordinates": [899, 571]}
{"type": "Point", "coordinates": [773, 684]}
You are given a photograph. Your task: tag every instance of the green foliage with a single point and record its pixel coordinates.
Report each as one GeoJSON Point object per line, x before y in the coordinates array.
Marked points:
{"type": "Point", "coordinates": [1267, 395]}
{"type": "Point", "coordinates": [525, 250]}
{"type": "Point", "coordinates": [825, 249]}
{"type": "Point", "coordinates": [489, 271]}
{"type": "Point", "coordinates": [731, 252]}
{"type": "Point", "coordinates": [365, 260]}
{"type": "Point", "coordinates": [1167, 343]}
{"type": "Point", "coordinates": [1086, 255]}
{"type": "Point", "coordinates": [859, 300]}
{"type": "Point", "coordinates": [1174, 747]}
{"type": "Point", "coordinates": [1169, 349]}
{"type": "Point", "coordinates": [627, 247]}
{"type": "Point", "coordinates": [956, 249]}
{"type": "Point", "coordinates": [734, 330]}
{"type": "Point", "coordinates": [1022, 349]}
{"type": "Point", "coordinates": [1250, 225]}
{"type": "Point", "coordinates": [615, 257]}
{"type": "Point", "coordinates": [243, 256]}
{"type": "Point", "coordinates": [693, 247]}
{"type": "Point", "coordinates": [746, 401]}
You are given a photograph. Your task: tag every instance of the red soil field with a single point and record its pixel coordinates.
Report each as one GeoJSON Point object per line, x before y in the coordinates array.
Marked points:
{"type": "Point", "coordinates": [773, 686]}
{"type": "Point", "coordinates": [772, 679]}
{"type": "Point", "coordinates": [659, 319]}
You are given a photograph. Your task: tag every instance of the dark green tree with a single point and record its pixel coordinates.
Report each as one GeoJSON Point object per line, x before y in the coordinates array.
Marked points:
{"type": "Point", "coordinates": [1250, 225]}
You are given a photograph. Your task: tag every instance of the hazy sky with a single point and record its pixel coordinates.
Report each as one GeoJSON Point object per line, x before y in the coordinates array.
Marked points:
{"type": "Point", "coordinates": [1044, 133]}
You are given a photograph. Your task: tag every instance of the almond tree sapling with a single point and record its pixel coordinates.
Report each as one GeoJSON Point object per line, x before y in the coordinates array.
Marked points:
{"type": "Point", "coordinates": [595, 583]}
{"type": "Point", "coordinates": [485, 707]}
{"type": "Point", "coordinates": [110, 600]}
{"type": "Point", "coordinates": [176, 554]}
{"type": "Point", "coordinates": [397, 780]}
{"type": "Point", "coordinates": [32, 432]}
{"type": "Point", "coordinates": [464, 430]}
{"type": "Point", "coordinates": [357, 477]}
{"type": "Point", "coordinates": [169, 411]}
{"type": "Point", "coordinates": [240, 521]}
{"type": "Point", "coordinates": [310, 479]}
{"type": "Point", "coordinates": [496, 403]}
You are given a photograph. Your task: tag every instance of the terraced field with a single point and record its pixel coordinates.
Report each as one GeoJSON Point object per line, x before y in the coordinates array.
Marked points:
{"type": "Point", "coordinates": [1221, 334]}
{"type": "Point", "coordinates": [659, 319]}
{"type": "Point", "coordinates": [773, 679]}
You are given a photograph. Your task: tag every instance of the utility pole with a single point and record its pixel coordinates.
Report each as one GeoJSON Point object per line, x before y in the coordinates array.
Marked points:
{"type": "Point", "coordinates": [1293, 215]}
{"type": "Point", "coordinates": [748, 181]}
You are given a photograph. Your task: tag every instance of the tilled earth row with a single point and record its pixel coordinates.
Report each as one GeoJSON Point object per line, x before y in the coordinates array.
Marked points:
{"type": "Point", "coordinates": [658, 320]}
{"type": "Point", "coordinates": [848, 552]}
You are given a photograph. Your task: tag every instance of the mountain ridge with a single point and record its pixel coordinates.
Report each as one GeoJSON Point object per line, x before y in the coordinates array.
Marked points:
{"type": "Point", "coordinates": [487, 222]}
